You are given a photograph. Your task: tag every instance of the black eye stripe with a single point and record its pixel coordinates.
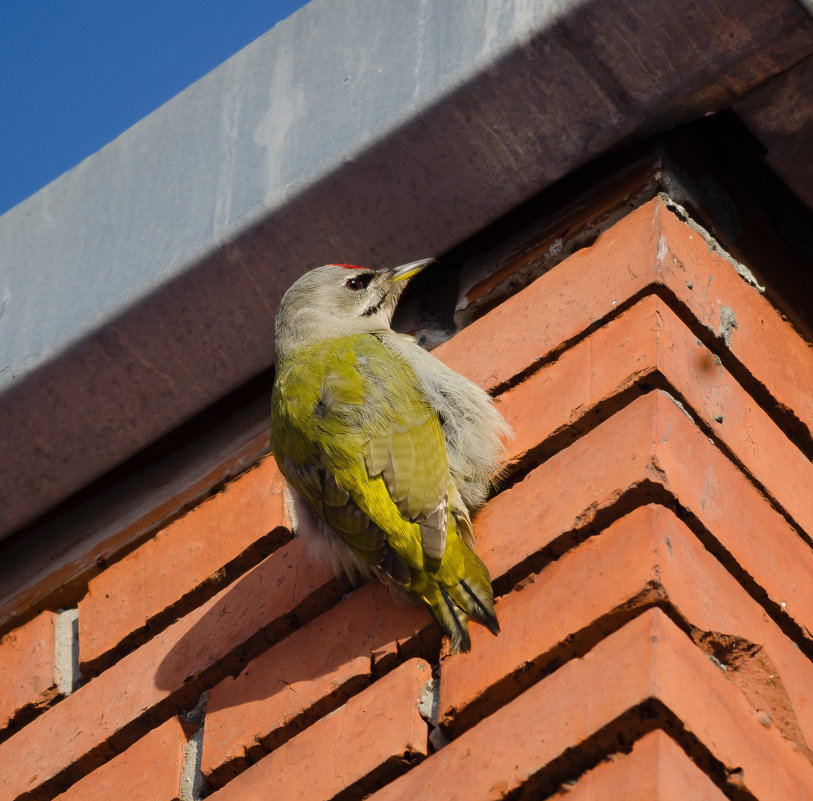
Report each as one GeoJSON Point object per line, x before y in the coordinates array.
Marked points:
{"type": "Point", "coordinates": [359, 281]}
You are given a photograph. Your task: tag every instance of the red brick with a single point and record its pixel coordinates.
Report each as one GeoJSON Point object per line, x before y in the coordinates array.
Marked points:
{"type": "Point", "coordinates": [763, 341]}
{"type": "Point", "coordinates": [181, 557]}
{"type": "Point", "coordinates": [650, 247]}
{"type": "Point", "coordinates": [372, 738]}
{"type": "Point", "coordinates": [656, 769]}
{"type": "Point", "coordinates": [535, 248]}
{"type": "Point", "coordinates": [101, 528]}
{"type": "Point", "coordinates": [163, 670]}
{"type": "Point", "coordinates": [313, 670]}
{"type": "Point", "coordinates": [651, 441]}
{"type": "Point", "coordinates": [27, 667]}
{"type": "Point", "coordinates": [646, 340]}
{"type": "Point", "coordinates": [764, 545]}
{"type": "Point", "coordinates": [150, 770]}
{"type": "Point", "coordinates": [646, 557]}
{"type": "Point", "coordinates": [648, 659]}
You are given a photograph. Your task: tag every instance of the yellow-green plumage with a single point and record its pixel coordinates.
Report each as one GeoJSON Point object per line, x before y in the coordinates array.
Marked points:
{"type": "Point", "coordinates": [357, 438]}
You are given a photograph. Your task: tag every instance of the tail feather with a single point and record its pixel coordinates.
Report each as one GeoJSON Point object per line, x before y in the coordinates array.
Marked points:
{"type": "Point", "coordinates": [470, 598]}
{"type": "Point", "coordinates": [454, 621]}
{"type": "Point", "coordinates": [483, 608]}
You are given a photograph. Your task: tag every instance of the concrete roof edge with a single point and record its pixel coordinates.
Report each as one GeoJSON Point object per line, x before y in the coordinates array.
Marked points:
{"type": "Point", "coordinates": [140, 287]}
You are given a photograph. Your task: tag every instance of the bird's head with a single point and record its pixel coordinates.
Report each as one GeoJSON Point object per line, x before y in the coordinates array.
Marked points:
{"type": "Point", "coordinates": [338, 300]}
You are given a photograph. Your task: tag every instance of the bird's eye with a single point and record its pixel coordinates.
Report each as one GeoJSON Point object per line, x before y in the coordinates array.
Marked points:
{"type": "Point", "coordinates": [358, 282]}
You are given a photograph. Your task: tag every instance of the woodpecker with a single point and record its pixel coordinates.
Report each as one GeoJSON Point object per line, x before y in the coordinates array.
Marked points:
{"type": "Point", "coordinates": [386, 450]}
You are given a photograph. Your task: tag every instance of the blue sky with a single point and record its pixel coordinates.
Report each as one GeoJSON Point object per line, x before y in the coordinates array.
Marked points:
{"type": "Point", "coordinates": [74, 74]}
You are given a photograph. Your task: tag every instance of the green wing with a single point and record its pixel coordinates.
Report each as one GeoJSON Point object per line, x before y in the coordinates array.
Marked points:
{"type": "Point", "coordinates": [355, 436]}
{"type": "Point", "coordinates": [357, 439]}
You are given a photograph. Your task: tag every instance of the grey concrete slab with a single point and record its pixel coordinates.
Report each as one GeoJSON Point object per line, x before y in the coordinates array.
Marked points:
{"type": "Point", "coordinates": [780, 115]}
{"type": "Point", "coordinates": [140, 286]}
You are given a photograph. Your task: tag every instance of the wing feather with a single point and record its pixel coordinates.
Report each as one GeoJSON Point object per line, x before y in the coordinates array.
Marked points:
{"type": "Point", "coordinates": [367, 419]}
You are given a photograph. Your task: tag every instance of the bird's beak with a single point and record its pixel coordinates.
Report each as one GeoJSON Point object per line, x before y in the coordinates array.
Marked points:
{"type": "Point", "coordinates": [407, 271]}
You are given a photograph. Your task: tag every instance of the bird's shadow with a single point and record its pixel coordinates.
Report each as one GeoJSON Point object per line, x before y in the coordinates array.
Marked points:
{"type": "Point", "coordinates": [293, 639]}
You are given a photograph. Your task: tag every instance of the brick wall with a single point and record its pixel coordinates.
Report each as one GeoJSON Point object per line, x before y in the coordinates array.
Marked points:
{"type": "Point", "coordinates": [650, 547]}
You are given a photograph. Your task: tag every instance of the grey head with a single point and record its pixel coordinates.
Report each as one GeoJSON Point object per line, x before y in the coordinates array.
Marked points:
{"type": "Point", "coordinates": [338, 300]}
